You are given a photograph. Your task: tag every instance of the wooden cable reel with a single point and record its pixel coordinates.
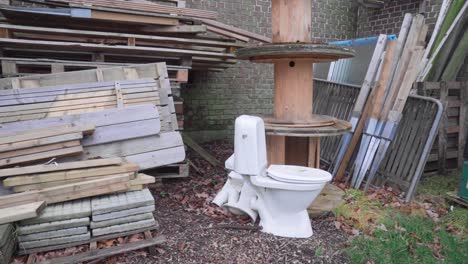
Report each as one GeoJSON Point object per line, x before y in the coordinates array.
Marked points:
{"type": "Point", "coordinates": [293, 132]}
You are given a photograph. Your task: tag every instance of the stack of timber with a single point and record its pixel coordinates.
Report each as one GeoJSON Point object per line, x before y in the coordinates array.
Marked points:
{"type": "Point", "coordinates": [121, 32]}
{"type": "Point", "coordinates": [447, 154]}
{"type": "Point", "coordinates": [108, 88]}
{"type": "Point", "coordinates": [35, 145]}
{"type": "Point", "coordinates": [87, 221]}
{"type": "Point", "coordinates": [7, 243]}
{"type": "Point", "coordinates": [122, 212]}
{"type": "Point", "coordinates": [131, 107]}
{"type": "Point", "coordinates": [447, 49]}
{"type": "Point", "coordinates": [378, 110]}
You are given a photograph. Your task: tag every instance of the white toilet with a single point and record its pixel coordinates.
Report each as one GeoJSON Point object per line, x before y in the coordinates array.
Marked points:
{"type": "Point", "coordinates": [280, 195]}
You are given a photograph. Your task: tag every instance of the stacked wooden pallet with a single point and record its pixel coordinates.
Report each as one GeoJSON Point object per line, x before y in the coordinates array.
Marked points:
{"type": "Point", "coordinates": [448, 153]}
{"type": "Point", "coordinates": [28, 146]}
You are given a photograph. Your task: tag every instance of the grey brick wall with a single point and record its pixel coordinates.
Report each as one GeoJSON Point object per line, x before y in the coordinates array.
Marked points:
{"type": "Point", "coordinates": [386, 20]}
{"type": "Point", "coordinates": [214, 99]}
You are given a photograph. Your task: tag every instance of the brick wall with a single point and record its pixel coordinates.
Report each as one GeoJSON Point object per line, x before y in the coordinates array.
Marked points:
{"type": "Point", "coordinates": [386, 20]}
{"type": "Point", "coordinates": [214, 99]}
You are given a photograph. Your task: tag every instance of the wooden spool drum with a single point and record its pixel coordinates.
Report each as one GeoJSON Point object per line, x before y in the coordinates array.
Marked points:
{"type": "Point", "coordinates": [293, 133]}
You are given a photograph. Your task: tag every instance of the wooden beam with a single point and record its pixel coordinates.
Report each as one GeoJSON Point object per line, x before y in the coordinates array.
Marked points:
{"type": "Point", "coordinates": [41, 156]}
{"type": "Point", "coordinates": [21, 212]}
{"type": "Point", "coordinates": [104, 253]}
{"type": "Point", "coordinates": [146, 7]}
{"type": "Point", "coordinates": [69, 192]}
{"type": "Point", "coordinates": [59, 167]}
{"type": "Point", "coordinates": [69, 175]}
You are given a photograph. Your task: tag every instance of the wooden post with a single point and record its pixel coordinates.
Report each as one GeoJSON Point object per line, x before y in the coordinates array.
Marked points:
{"type": "Point", "coordinates": [293, 93]}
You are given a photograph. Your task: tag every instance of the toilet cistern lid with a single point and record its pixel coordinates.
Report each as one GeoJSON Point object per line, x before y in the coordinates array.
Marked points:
{"type": "Point", "coordinates": [298, 174]}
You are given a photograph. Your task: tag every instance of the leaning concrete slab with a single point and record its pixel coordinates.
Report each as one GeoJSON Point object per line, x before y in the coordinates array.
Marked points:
{"type": "Point", "coordinates": [55, 241]}
{"type": "Point", "coordinates": [62, 211]}
{"type": "Point", "coordinates": [52, 226]}
{"type": "Point", "coordinates": [123, 213]}
{"type": "Point", "coordinates": [122, 201]}
{"type": "Point", "coordinates": [122, 220]}
{"type": "Point", "coordinates": [123, 227]}
{"type": "Point", "coordinates": [54, 234]}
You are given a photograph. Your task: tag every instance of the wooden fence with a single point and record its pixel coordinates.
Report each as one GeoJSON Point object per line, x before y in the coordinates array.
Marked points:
{"type": "Point", "coordinates": [405, 153]}
{"type": "Point", "coordinates": [447, 154]}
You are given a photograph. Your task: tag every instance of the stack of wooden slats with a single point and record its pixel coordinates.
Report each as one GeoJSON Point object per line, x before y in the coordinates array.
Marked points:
{"type": "Point", "coordinates": [28, 146]}
{"type": "Point", "coordinates": [389, 80]}
{"type": "Point", "coordinates": [120, 32]}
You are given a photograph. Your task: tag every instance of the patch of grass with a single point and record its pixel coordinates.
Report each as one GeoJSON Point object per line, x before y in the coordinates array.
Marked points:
{"type": "Point", "coordinates": [409, 239]}
{"type": "Point", "coordinates": [360, 211]}
{"type": "Point", "coordinates": [319, 251]}
{"type": "Point", "coordinates": [458, 219]}
{"type": "Point", "coordinates": [439, 185]}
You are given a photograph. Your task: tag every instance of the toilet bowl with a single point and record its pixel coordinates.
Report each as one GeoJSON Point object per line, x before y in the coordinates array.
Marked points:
{"type": "Point", "coordinates": [282, 201]}
{"type": "Point", "coordinates": [279, 195]}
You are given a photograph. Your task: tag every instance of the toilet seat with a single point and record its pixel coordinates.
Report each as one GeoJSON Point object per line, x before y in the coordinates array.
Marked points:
{"type": "Point", "coordinates": [298, 174]}
{"type": "Point", "coordinates": [267, 182]}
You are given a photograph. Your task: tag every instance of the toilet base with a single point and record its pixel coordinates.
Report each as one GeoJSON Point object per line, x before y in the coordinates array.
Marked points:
{"type": "Point", "coordinates": [294, 226]}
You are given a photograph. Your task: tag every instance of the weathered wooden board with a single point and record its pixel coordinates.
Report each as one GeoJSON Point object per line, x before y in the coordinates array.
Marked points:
{"type": "Point", "coordinates": [69, 192]}
{"type": "Point", "coordinates": [59, 167]}
{"type": "Point", "coordinates": [41, 156]}
{"type": "Point", "coordinates": [69, 175]}
{"type": "Point", "coordinates": [154, 71]}
{"type": "Point", "coordinates": [21, 212]}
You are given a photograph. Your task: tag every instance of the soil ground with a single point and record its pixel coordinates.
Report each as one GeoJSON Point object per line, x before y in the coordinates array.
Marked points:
{"type": "Point", "coordinates": [200, 232]}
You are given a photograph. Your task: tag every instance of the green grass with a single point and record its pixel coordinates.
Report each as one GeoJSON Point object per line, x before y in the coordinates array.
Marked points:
{"type": "Point", "coordinates": [439, 185]}
{"type": "Point", "coordinates": [458, 218]}
{"type": "Point", "coordinates": [409, 239]}
{"type": "Point", "coordinates": [409, 236]}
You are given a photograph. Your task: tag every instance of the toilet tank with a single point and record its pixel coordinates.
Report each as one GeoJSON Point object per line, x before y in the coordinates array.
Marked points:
{"type": "Point", "coordinates": [250, 156]}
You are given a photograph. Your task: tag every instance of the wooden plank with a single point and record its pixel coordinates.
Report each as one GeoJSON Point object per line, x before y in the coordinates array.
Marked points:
{"type": "Point", "coordinates": [202, 152]}
{"type": "Point", "coordinates": [40, 142]}
{"type": "Point", "coordinates": [227, 33]}
{"type": "Point", "coordinates": [461, 124]}
{"type": "Point", "coordinates": [53, 131]}
{"type": "Point", "coordinates": [59, 167]}
{"type": "Point", "coordinates": [99, 119]}
{"type": "Point", "coordinates": [109, 74]}
{"type": "Point", "coordinates": [147, 7]}
{"type": "Point", "coordinates": [142, 179]}
{"type": "Point", "coordinates": [104, 253]}
{"type": "Point", "coordinates": [21, 212]}
{"type": "Point", "coordinates": [132, 18]}
{"type": "Point", "coordinates": [15, 153]}
{"type": "Point", "coordinates": [245, 33]}
{"type": "Point", "coordinates": [41, 156]}
{"type": "Point", "coordinates": [158, 158]}
{"type": "Point", "coordinates": [124, 37]}
{"type": "Point", "coordinates": [78, 46]}
{"type": "Point", "coordinates": [41, 186]}
{"type": "Point", "coordinates": [133, 146]}
{"type": "Point", "coordinates": [68, 192]}
{"type": "Point", "coordinates": [69, 175]}
{"type": "Point", "coordinates": [9, 67]}
{"type": "Point", "coordinates": [442, 143]}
